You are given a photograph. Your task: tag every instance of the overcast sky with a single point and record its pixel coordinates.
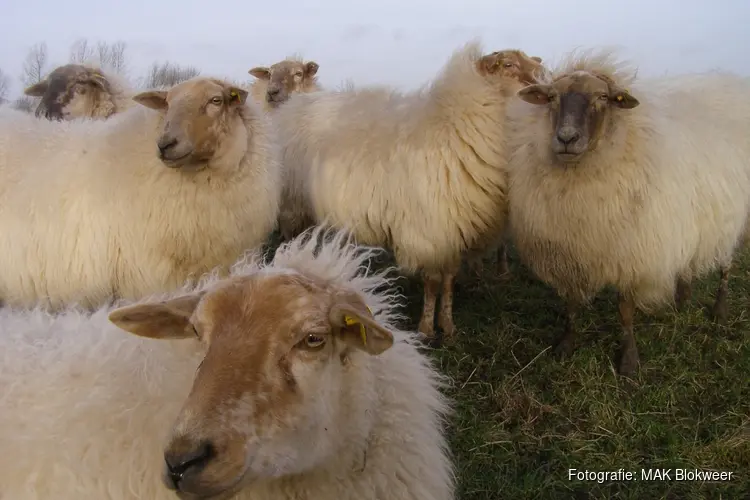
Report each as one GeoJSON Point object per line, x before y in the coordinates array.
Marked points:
{"type": "Point", "coordinates": [400, 42]}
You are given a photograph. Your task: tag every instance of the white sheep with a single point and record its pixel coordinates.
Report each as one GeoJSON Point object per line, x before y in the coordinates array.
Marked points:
{"type": "Point", "coordinates": [638, 189]}
{"type": "Point", "coordinates": [75, 91]}
{"type": "Point", "coordinates": [304, 390]}
{"type": "Point", "coordinates": [277, 83]}
{"type": "Point", "coordinates": [137, 203]}
{"type": "Point", "coordinates": [421, 172]}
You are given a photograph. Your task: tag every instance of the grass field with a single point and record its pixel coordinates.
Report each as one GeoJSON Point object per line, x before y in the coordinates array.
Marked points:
{"type": "Point", "coordinates": [524, 418]}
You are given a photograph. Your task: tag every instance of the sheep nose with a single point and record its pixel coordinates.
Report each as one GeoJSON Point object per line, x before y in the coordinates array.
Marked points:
{"type": "Point", "coordinates": [165, 143]}
{"type": "Point", "coordinates": [568, 135]}
{"type": "Point", "coordinates": [273, 92]}
{"type": "Point", "coordinates": [184, 461]}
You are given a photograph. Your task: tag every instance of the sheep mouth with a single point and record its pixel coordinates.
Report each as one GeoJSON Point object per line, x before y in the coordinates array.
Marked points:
{"type": "Point", "coordinates": [224, 494]}
{"type": "Point", "coordinates": [175, 162]}
{"type": "Point", "coordinates": [568, 157]}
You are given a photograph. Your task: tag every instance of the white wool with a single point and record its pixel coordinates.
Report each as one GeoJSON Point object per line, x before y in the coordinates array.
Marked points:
{"type": "Point", "coordinates": [88, 210]}
{"type": "Point", "coordinates": [419, 172]}
{"type": "Point", "coordinates": [87, 408]}
{"type": "Point", "coordinates": [665, 194]}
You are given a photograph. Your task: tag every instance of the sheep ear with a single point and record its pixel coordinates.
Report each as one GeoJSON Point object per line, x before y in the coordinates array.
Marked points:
{"type": "Point", "coordinates": [37, 90]}
{"type": "Point", "coordinates": [163, 320]}
{"type": "Point", "coordinates": [535, 94]}
{"type": "Point", "coordinates": [99, 80]}
{"type": "Point", "coordinates": [536, 58]}
{"type": "Point", "coordinates": [154, 99]}
{"type": "Point", "coordinates": [622, 98]}
{"type": "Point", "coordinates": [261, 73]}
{"type": "Point", "coordinates": [311, 68]}
{"type": "Point", "coordinates": [357, 328]}
{"type": "Point", "coordinates": [237, 95]}
{"type": "Point", "coordinates": [490, 63]}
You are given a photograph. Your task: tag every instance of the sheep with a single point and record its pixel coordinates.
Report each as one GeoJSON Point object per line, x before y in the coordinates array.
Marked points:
{"type": "Point", "coordinates": [135, 204]}
{"type": "Point", "coordinates": [292, 399]}
{"type": "Point", "coordinates": [639, 189]}
{"type": "Point", "coordinates": [421, 173]}
{"type": "Point", "coordinates": [277, 83]}
{"type": "Point", "coordinates": [525, 69]}
{"type": "Point", "coordinates": [77, 91]}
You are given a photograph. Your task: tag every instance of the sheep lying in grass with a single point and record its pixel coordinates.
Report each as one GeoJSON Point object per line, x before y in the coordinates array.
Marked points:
{"type": "Point", "coordinates": [632, 188]}
{"type": "Point", "coordinates": [137, 203]}
{"type": "Point", "coordinates": [421, 173]}
{"type": "Point", "coordinates": [80, 91]}
{"type": "Point", "coordinates": [277, 83]}
{"type": "Point", "coordinates": [300, 393]}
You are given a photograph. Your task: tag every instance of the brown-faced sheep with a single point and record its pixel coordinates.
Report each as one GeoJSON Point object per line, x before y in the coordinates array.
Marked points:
{"type": "Point", "coordinates": [286, 381]}
{"type": "Point", "coordinates": [516, 64]}
{"type": "Point", "coordinates": [422, 173]}
{"type": "Point", "coordinates": [137, 203]}
{"type": "Point", "coordinates": [634, 185]}
{"type": "Point", "coordinates": [80, 91]}
{"type": "Point", "coordinates": [277, 83]}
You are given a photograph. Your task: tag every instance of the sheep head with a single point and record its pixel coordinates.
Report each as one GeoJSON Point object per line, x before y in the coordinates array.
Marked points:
{"type": "Point", "coordinates": [269, 398]}
{"type": "Point", "coordinates": [203, 120]}
{"type": "Point", "coordinates": [581, 106]}
{"type": "Point", "coordinates": [511, 66]}
{"type": "Point", "coordinates": [73, 91]}
{"type": "Point", "coordinates": [286, 78]}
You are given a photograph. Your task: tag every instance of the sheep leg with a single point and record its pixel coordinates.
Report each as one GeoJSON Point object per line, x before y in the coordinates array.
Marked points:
{"type": "Point", "coordinates": [720, 310]}
{"type": "Point", "coordinates": [432, 283]}
{"type": "Point", "coordinates": [565, 344]}
{"type": "Point", "coordinates": [683, 293]}
{"type": "Point", "coordinates": [629, 359]}
{"type": "Point", "coordinates": [445, 315]}
{"type": "Point", "coordinates": [474, 262]}
{"type": "Point", "coordinates": [502, 261]}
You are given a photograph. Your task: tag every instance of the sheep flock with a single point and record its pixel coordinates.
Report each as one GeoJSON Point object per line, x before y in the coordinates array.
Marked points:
{"type": "Point", "coordinates": [158, 341]}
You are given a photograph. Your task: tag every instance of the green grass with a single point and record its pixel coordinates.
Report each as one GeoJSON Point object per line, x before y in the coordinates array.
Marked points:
{"type": "Point", "coordinates": [523, 418]}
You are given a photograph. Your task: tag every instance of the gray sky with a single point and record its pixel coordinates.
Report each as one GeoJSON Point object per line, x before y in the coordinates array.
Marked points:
{"type": "Point", "coordinates": [400, 42]}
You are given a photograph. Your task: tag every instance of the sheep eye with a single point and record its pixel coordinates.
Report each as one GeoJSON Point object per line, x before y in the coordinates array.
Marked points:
{"type": "Point", "coordinates": [604, 97]}
{"type": "Point", "coordinates": [298, 73]}
{"type": "Point", "coordinates": [507, 65]}
{"type": "Point", "coordinates": [216, 100]}
{"type": "Point", "coordinates": [313, 341]}
{"type": "Point", "coordinates": [80, 89]}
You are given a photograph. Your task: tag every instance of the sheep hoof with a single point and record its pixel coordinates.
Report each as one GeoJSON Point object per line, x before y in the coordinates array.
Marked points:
{"type": "Point", "coordinates": [629, 364]}
{"type": "Point", "coordinates": [563, 347]}
{"type": "Point", "coordinates": [432, 341]}
{"type": "Point", "coordinates": [719, 312]}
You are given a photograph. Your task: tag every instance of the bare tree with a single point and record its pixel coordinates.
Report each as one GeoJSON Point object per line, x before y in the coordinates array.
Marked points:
{"type": "Point", "coordinates": [81, 52]}
{"type": "Point", "coordinates": [112, 55]}
{"type": "Point", "coordinates": [106, 55]}
{"type": "Point", "coordinates": [4, 87]}
{"type": "Point", "coordinates": [34, 66]}
{"type": "Point", "coordinates": [24, 103]}
{"type": "Point", "coordinates": [168, 74]}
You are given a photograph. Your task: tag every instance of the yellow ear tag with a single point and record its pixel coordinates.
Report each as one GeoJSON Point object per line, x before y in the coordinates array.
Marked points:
{"type": "Point", "coordinates": [619, 98]}
{"type": "Point", "coordinates": [233, 94]}
{"type": "Point", "coordinates": [349, 321]}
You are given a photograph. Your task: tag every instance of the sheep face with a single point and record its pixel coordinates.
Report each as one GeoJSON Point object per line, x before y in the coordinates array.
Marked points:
{"type": "Point", "coordinates": [268, 397]}
{"type": "Point", "coordinates": [511, 66]}
{"type": "Point", "coordinates": [581, 106]}
{"type": "Point", "coordinates": [203, 120]}
{"type": "Point", "coordinates": [286, 78]}
{"type": "Point", "coordinates": [73, 91]}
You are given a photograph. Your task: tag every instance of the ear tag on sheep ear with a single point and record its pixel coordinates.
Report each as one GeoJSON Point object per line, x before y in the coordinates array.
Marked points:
{"type": "Point", "coordinates": [619, 98]}
{"type": "Point", "coordinates": [349, 321]}
{"type": "Point", "coordinates": [234, 95]}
